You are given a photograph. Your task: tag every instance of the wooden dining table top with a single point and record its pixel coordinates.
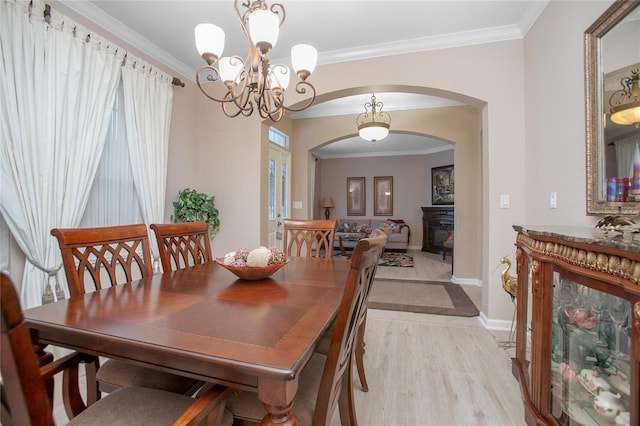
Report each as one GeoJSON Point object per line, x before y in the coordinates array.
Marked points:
{"type": "Point", "coordinates": [204, 323]}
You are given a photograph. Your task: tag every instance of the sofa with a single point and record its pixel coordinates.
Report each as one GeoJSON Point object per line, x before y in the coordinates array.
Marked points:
{"type": "Point", "coordinates": [348, 232]}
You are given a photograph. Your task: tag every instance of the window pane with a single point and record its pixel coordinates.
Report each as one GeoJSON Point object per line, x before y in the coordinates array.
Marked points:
{"type": "Point", "coordinates": [272, 189]}
{"type": "Point", "coordinates": [285, 213]}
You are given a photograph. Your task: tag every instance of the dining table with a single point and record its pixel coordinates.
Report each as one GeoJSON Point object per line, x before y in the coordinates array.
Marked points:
{"type": "Point", "coordinates": [205, 323]}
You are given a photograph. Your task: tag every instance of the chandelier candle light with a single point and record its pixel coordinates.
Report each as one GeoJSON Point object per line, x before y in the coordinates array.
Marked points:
{"type": "Point", "coordinates": [370, 129]}
{"type": "Point", "coordinates": [253, 83]}
{"type": "Point", "coordinates": [625, 103]}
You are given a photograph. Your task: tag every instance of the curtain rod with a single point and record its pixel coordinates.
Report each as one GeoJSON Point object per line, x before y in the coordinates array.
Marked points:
{"type": "Point", "coordinates": [47, 15]}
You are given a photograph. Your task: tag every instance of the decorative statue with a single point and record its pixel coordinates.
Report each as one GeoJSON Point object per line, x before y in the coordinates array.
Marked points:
{"type": "Point", "coordinates": [510, 285]}
{"type": "Point", "coordinates": [509, 282]}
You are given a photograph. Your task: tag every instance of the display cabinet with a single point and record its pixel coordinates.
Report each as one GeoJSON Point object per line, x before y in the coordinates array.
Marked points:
{"type": "Point", "coordinates": [577, 354]}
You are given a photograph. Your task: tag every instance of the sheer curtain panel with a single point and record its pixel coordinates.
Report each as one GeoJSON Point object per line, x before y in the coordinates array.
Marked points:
{"type": "Point", "coordinates": [148, 98]}
{"type": "Point", "coordinates": [58, 84]}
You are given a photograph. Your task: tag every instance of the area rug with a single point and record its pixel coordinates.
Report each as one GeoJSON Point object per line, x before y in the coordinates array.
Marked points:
{"type": "Point", "coordinates": [396, 259]}
{"type": "Point", "coordinates": [426, 297]}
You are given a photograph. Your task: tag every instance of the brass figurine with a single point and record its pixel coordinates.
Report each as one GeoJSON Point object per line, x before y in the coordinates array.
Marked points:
{"type": "Point", "coordinates": [509, 282]}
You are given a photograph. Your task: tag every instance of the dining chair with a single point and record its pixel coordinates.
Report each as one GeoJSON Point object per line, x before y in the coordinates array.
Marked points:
{"type": "Point", "coordinates": [309, 238]}
{"type": "Point", "coordinates": [182, 244]}
{"type": "Point", "coordinates": [96, 258]}
{"type": "Point", "coordinates": [27, 399]}
{"type": "Point", "coordinates": [326, 380]}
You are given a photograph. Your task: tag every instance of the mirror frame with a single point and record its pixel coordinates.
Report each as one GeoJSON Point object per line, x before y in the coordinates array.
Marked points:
{"type": "Point", "coordinates": [594, 89]}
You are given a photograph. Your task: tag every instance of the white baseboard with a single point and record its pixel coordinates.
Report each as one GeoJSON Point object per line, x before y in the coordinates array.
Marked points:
{"type": "Point", "coordinates": [493, 324]}
{"type": "Point", "coordinates": [466, 281]}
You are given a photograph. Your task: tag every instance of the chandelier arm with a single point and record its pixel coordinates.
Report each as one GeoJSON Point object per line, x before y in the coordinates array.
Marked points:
{"type": "Point", "coordinates": [301, 88]}
{"type": "Point", "coordinates": [280, 13]}
{"type": "Point", "coordinates": [245, 107]}
{"type": "Point", "coordinates": [230, 96]}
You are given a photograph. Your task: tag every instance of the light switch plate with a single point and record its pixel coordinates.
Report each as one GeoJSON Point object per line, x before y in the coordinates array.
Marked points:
{"type": "Point", "coordinates": [297, 205]}
{"type": "Point", "coordinates": [505, 201]}
{"type": "Point", "coordinates": [553, 200]}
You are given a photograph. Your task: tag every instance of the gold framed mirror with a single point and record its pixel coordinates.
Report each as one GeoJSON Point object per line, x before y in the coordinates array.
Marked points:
{"type": "Point", "coordinates": [612, 52]}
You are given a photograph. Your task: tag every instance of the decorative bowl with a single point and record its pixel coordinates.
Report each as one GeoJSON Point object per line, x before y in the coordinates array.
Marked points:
{"type": "Point", "coordinates": [252, 273]}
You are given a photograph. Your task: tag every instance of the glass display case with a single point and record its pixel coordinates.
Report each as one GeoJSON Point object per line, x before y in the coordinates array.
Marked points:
{"type": "Point", "coordinates": [578, 331]}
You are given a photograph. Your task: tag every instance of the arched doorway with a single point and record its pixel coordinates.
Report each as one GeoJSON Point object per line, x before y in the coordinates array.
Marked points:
{"type": "Point", "coordinates": [460, 125]}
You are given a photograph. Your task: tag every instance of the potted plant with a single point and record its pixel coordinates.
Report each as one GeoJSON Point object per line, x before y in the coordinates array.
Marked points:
{"type": "Point", "coordinates": [194, 206]}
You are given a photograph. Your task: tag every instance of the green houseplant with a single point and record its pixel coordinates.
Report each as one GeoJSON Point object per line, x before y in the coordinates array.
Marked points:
{"type": "Point", "coordinates": [193, 206]}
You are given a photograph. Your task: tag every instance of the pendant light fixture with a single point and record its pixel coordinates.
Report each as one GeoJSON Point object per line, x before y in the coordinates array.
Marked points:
{"type": "Point", "coordinates": [625, 103]}
{"type": "Point", "coordinates": [373, 123]}
{"type": "Point", "coordinates": [253, 83]}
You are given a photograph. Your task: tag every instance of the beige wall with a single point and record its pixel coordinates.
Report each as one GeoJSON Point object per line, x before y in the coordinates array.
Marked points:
{"type": "Point", "coordinates": [528, 90]}
{"type": "Point", "coordinates": [411, 186]}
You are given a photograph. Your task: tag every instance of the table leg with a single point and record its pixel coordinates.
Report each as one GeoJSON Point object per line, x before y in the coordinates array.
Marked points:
{"type": "Point", "coordinates": [277, 398]}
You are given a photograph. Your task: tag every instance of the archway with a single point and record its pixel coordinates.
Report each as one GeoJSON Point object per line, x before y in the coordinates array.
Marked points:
{"type": "Point", "coordinates": [460, 125]}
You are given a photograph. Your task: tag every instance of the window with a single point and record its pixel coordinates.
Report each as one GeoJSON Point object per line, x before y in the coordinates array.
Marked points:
{"type": "Point", "coordinates": [113, 199]}
{"type": "Point", "coordinates": [279, 138]}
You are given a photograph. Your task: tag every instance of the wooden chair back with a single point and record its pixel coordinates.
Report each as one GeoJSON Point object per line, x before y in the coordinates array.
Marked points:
{"type": "Point", "coordinates": [182, 244]}
{"type": "Point", "coordinates": [336, 386]}
{"type": "Point", "coordinates": [309, 238]}
{"type": "Point", "coordinates": [96, 258]}
{"type": "Point", "coordinates": [25, 400]}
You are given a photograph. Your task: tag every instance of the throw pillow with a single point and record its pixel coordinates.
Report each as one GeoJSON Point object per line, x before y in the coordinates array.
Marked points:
{"type": "Point", "coordinates": [386, 228]}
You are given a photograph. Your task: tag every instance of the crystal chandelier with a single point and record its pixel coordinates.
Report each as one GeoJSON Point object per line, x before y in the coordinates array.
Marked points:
{"type": "Point", "coordinates": [370, 129]}
{"type": "Point", "coordinates": [625, 103]}
{"type": "Point", "coordinates": [253, 83]}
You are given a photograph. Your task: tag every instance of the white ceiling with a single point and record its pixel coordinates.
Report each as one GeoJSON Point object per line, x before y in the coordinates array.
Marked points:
{"type": "Point", "coordinates": [341, 30]}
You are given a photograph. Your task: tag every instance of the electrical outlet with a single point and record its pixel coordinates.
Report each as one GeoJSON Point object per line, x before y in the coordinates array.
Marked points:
{"type": "Point", "coordinates": [553, 200]}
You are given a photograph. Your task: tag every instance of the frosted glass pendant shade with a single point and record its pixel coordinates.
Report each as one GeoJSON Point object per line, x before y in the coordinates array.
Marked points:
{"type": "Point", "coordinates": [374, 131]}
{"type": "Point", "coordinates": [209, 39]}
{"type": "Point", "coordinates": [304, 58]}
{"type": "Point", "coordinates": [280, 76]}
{"type": "Point", "coordinates": [627, 115]}
{"type": "Point", "coordinates": [264, 27]}
{"type": "Point", "coordinates": [230, 68]}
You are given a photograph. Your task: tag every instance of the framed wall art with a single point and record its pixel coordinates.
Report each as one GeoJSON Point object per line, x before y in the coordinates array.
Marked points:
{"type": "Point", "coordinates": [356, 196]}
{"type": "Point", "coordinates": [383, 196]}
{"type": "Point", "coordinates": [442, 185]}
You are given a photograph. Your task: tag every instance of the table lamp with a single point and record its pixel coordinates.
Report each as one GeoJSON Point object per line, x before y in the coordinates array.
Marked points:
{"type": "Point", "coordinates": [326, 204]}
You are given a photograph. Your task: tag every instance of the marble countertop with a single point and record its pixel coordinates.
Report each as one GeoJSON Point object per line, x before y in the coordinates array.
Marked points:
{"type": "Point", "coordinates": [584, 235]}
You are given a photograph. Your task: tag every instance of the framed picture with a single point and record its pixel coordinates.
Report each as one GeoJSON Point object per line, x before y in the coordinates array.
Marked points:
{"type": "Point", "coordinates": [355, 196]}
{"type": "Point", "coordinates": [442, 185]}
{"type": "Point", "coordinates": [383, 196]}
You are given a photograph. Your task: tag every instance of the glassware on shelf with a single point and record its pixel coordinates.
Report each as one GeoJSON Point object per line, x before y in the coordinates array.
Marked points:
{"type": "Point", "coordinates": [619, 310]}
{"type": "Point", "coordinates": [597, 304]}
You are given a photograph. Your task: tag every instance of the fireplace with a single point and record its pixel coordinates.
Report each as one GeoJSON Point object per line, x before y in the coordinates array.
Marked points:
{"type": "Point", "coordinates": [436, 224]}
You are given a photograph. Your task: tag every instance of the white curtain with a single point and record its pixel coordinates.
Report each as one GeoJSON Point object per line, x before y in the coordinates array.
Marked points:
{"type": "Point", "coordinates": [113, 200]}
{"type": "Point", "coordinates": [148, 97]}
{"type": "Point", "coordinates": [626, 154]}
{"type": "Point", "coordinates": [57, 86]}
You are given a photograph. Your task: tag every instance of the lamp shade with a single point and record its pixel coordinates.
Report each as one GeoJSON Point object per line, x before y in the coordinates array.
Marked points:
{"type": "Point", "coordinates": [304, 58]}
{"type": "Point", "coordinates": [373, 131]}
{"type": "Point", "coordinates": [264, 27]}
{"type": "Point", "coordinates": [327, 202]}
{"type": "Point", "coordinates": [230, 69]}
{"type": "Point", "coordinates": [280, 76]}
{"type": "Point", "coordinates": [627, 114]}
{"type": "Point", "coordinates": [209, 39]}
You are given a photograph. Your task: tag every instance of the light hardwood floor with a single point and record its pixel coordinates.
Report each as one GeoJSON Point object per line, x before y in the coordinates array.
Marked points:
{"type": "Point", "coordinates": [430, 369]}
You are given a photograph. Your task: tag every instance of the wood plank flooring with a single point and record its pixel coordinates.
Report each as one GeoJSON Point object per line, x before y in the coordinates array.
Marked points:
{"type": "Point", "coordinates": [429, 369]}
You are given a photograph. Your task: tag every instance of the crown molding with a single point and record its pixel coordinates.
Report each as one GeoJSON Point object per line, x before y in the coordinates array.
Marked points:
{"type": "Point", "coordinates": [445, 41]}
{"type": "Point", "coordinates": [129, 36]}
